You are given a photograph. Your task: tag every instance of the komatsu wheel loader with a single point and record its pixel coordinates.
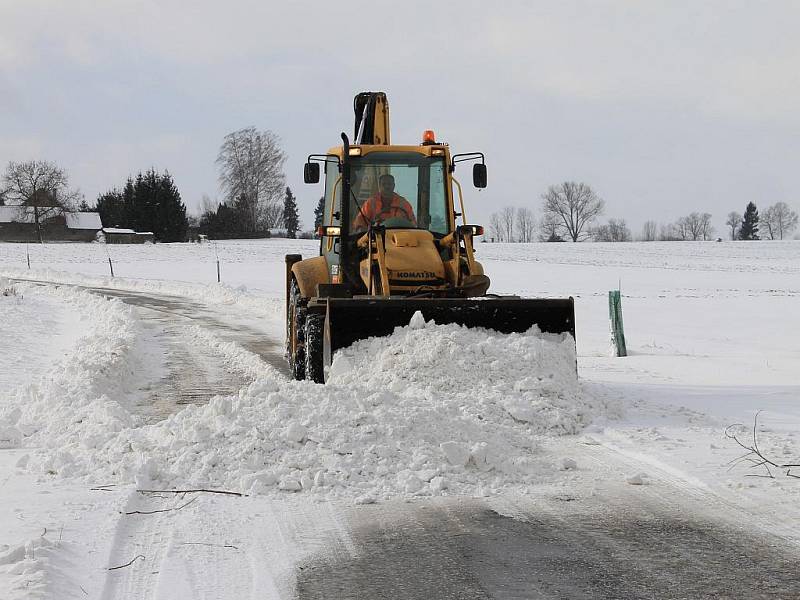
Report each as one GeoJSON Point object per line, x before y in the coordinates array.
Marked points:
{"type": "Point", "coordinates": [390, 245]}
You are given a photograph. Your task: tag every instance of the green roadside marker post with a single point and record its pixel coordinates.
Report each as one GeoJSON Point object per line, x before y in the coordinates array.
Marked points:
{"type": "Point", "coordinates": [615, 314]}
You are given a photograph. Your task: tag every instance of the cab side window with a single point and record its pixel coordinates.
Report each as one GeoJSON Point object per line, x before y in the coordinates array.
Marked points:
{"type": "Point", "coordinates": [333, 194]}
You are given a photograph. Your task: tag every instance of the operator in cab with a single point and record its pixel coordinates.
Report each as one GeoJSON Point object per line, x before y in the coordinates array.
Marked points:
{"type": "Point", "coordinates": [383, 206]}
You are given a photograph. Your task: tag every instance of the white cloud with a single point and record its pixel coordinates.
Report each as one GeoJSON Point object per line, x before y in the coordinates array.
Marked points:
{"type": "Point", "coordinates": [738, 60]}
{"type": "Point", "coordinates": [637, 96]}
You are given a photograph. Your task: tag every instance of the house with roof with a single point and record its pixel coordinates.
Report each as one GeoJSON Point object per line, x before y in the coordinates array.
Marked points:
{"type": "Point", "coordinates": [18, 224]}
{"type": "Point", "coordinates": [116, 235]}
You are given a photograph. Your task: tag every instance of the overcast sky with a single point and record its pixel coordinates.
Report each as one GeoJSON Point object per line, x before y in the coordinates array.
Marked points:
{"type": "Point", "coordinates": [662, 107]}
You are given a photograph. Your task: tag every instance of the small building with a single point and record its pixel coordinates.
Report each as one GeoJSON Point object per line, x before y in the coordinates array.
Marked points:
{"type": "Point", "coordinates": [116, 235]}
{"type": "Point", "coordinates": [18, 224]}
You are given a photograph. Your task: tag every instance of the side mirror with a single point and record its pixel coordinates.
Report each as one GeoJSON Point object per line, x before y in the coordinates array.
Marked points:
{"type": "Point", "coordinates": [469, 230]}
{"type": "Point", "coordinates": [311, 172]}
{"type": "Point", "coordinates": [479, 175]}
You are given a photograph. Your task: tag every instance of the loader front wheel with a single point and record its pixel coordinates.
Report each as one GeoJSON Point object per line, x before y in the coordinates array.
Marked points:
{"type": "Point", "coordinates": [295, 332]}
{"type": "Point", "coordinates": [314, 340]}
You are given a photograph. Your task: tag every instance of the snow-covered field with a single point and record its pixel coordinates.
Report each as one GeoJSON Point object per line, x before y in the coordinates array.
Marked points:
{"type": "Point", "coordinates": [712, 336]}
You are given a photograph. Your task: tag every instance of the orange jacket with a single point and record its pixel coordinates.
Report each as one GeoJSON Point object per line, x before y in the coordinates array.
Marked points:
{"type": "Point", "coordinates": [377, 209]}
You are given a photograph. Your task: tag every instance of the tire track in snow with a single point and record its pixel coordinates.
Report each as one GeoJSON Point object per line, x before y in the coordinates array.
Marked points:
{"type": "Point", "coordinates": [203, 354]}
{"type": "Point", "coordinates": [220, 547]}
{"type": "Point", "coordinates": [192, 351]}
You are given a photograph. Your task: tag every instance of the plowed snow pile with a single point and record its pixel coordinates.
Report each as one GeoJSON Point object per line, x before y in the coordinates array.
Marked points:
{"type": "Point", "coordinates": [429, 410]}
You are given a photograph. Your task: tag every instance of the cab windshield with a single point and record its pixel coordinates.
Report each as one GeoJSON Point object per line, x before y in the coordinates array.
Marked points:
{"type": "Point", "coordinates": [399, 190]}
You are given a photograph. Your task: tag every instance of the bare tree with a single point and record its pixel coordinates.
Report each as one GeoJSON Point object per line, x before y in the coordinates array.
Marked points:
{"type": "Point", "coordinates": [669, 233]}
{"type": "Point", "coordinates": [779, 220]}
{"type": "Point", "coordinates": [768, 225]}
{"type": "Point", "coordinates": [682, 229]}
{"type": "Point", "coordinates": [507, 220]}
{"type": "Point", "coordinates": [496, 227]}
{"type": "Point", "coordinates": [616, 230]}
{"type": "Point", "coordinates": [649, 231]}
{"type": "Point", "coordinates": [575, 204]}
{"type": "Point", "coordinates": [251, 176]}
{"type": "Point", "coordinates": [705, 228]}
{"type": "Point", "coordinates": [526, 225]}
{"type": "Point", "coordinates": [550, 229]}
{"type": "Point", "coordinates": [734, 222]}
{"type": "Point", "coordinates": [39, 184]}
{"type": "Point", "coordinates": [272, 215]}
{"type": "Point", "coordinates": [207, 205]}
{"type": "Point", "coordinates": [694, 226]}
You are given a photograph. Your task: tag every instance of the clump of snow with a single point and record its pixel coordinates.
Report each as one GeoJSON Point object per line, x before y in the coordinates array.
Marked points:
{"type": "Point", "coordinates": [639, 479]}
{"type": "Point", "coordinates": [569, 464]}
{"type": "Point", "coordinates": [529, 377]}
{"type": "Point", "coordinates": [430, 410]}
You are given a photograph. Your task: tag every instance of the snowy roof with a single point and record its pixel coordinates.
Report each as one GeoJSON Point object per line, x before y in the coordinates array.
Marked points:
{"type": "Point", "coordinates": [125, 231]}
{"type": "Point", "coordinates": [24, 214]}
{"type": "Point", "coordinates": [117, 230]}
{"type": "Point", "coordinates": [83, 220]}
{"type": "Point", "coordinates": [16, 214]}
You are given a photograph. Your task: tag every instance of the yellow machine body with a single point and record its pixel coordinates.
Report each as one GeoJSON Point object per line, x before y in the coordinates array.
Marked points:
{"type": "Point", "coordinates": [367, 282]}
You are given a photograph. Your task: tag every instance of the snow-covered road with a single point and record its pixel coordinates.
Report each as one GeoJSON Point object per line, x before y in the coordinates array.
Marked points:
{"type": "Point", "coordinates": [180, 370]}
{"type": "Point", "coordinates": [188, 372]}
{"type": "Point", "coordinates": [459, 464]}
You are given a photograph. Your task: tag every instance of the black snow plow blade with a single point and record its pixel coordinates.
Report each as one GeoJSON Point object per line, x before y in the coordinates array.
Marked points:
{"type": "Point", "coordinates": [348, 320]}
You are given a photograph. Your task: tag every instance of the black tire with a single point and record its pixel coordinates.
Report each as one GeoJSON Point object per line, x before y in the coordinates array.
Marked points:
{"type": "Point", "coordinates": [295, 332]}
{"type": "Point", "coordinates": [314, 340]}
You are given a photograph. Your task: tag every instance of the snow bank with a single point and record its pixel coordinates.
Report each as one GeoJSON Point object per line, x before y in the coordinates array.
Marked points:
{"type": "Point", "coordinates": [429, 410]}
{"type": "Point", "coordinates": [70, 408]}
{"type": "Point", "coordinates": [27, 318]}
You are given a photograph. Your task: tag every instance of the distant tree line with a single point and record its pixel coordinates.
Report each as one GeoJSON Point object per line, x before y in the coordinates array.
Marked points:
{"type": "Point", "coordinates": [256, 200]}
{"type": "Point", "coordinates": [148, 202]}
{"type": "Point", "coordinates": [777, 222]}
{"type": "Point", "coordinates": [569, 211]}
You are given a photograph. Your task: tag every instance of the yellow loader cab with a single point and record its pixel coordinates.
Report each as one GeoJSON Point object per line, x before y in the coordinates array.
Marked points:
{"type": "Point", "coordinates": [390, 245]}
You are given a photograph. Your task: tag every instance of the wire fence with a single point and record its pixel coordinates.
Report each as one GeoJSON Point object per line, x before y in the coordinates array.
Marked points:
{"type": "Point", "coordinates": [231, 262]}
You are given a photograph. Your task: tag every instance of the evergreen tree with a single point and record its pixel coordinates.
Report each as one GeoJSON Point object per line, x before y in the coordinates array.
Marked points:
{"type": "Point", "coordinates": [749, 228]}
{"type": "Point", "coordinates": [128, 199]}
{"type": "Point", "coordinates": [139, 209]}
{"type": "Point", "coordinates": [84, 206]}
{"type": "Point", "coordinates": [112, 209]}
{"type": "Point", "coordinates": [319, 214]}
{"type": "Point", "coordinates": [291, 220]}
{"type": "Point", "coordinates": [223, 223]}
{"type": "Point", "coordinates": [156, 206]}
{"type": "Point", "coordinates": [171, 211]}
{"type": "Point", "coordinates": [151, 203]}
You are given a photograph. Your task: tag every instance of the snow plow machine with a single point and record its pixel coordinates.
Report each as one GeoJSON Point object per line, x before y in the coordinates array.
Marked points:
{"type": "Point", "coordinates": [390, 246]}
